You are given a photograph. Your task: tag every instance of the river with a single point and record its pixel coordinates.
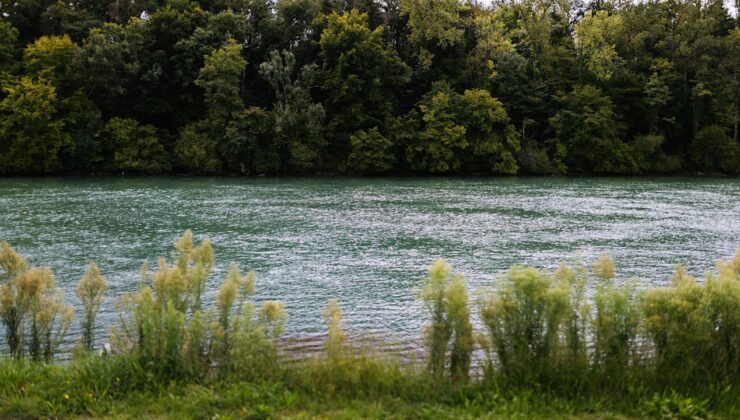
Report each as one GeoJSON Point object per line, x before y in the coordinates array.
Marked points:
{"type": "Point", "coordinates": [367, 242]}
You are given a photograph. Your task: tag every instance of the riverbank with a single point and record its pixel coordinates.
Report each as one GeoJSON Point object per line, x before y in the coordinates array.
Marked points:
{"type": "Point", "coordinates": [367, 388]}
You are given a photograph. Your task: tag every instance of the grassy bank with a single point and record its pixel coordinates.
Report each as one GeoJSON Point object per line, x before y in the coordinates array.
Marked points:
{"type": "Point", "coordinates": [360, 387]}
{"type": "Point", "coordinates": [575, 341]}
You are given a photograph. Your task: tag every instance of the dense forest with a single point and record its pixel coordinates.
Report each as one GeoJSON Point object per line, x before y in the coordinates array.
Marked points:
{"type": "Point", "coordinates": [368, 87]}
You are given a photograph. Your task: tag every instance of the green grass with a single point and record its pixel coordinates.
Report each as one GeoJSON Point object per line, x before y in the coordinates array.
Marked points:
{"type": "Point", "coordinates": [351, 388]}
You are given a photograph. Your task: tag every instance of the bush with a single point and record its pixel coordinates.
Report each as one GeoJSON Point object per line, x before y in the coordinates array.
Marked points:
{"type": "Point", "coordinates": [445, 297]}
{"type": "Point", "coordinates": [132, 147]}
{"type": "Point", "coordinates": [90, 292]}
{"type": "Point", "coordinates": [370, 152]}
{"type": "Point", "coordinates": [524, 320]}
{"type": "Point", "coordinates": [714, 151]}
{"type": "Point", "coordinates": [697, 327]}
{"type": "Point", "coordinates": [31, 304]}
{"type": "Point", "coordinates": [166, 326]}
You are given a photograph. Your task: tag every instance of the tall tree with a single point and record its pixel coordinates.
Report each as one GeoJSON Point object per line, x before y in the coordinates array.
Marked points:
{"type": "Point", "coordinates": [297, 119]}
{"type": "Point", "coordinates": [458, 133]}
{"type": "Point", "coordinates": [32, 137]}
{"type": "Point", "coordinates": [360, 79]}
{"type": "Point", "coordinates": [590, 131]}
{"type": "Point", "coordinates": [200, 143]}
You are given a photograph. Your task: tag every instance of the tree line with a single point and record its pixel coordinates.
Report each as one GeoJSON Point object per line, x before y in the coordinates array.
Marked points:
{"type": "Point", "coordinates": [369, 87]}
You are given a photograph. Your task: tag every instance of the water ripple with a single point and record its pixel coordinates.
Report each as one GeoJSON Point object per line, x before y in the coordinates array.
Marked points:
{"type": "Point", "coordinates": [367, 242]}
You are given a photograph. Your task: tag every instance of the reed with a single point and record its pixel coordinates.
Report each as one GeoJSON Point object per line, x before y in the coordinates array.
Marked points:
{"type": "Point", "coordinates": [90, 291]}
{"type": "Point", "coordinates": [32, 308]}
{"type": "Point", "coordinates": [449, 337]}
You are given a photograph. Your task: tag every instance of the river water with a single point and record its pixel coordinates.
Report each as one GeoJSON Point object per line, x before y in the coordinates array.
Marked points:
{"type": "Point", "coordinates": [367, 242]}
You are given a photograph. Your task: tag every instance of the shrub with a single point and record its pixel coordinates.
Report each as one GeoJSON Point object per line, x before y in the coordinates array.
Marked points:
{"type": "Point", "coordinates": [524, 320]}
{"type": "Point", "coordinates": [712, 150]}
{"type": "Point", "coordinates": [446, 298]}
{"type": "Point", "coordinates": [335, 340]}
{"type": "Point", "coordinates": [30, 302]}
{"type": "Point", "coordinates": [174, 336]}
{"type": "Point", "coordinates": [615, 326]}
{"type": "Point", "coordinates": [697, 327]}
{"type": "Point", "coordinates": [458, 313]}
{"type": "Point", "coordinates": [90, 292]}
{"type": "Point", "coordinates": [542, 333]}
{"type": "Point", "coordinates": [572, 281]}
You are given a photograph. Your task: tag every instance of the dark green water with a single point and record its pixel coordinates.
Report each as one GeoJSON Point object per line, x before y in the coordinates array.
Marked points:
{"type": "Point", "coordinates": [367, 242]}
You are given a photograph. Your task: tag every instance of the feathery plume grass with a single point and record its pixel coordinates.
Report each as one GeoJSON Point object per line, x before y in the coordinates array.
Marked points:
{"type": "Point", "coordinates": [30, 302]}
{"type": "Point", "coordinates": [335, 340]}
{"type": "Point", "coordinates": [90, 291]}
{"type": "Point", "coordinates": [445, 297]}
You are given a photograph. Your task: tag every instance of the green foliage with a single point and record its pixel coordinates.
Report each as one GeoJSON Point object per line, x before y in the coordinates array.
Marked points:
{"type": "Point", "coordinates": [32, 137]}
{"type": "Point", "coordinates": [173, 336]}
{"type": "Point", "coordinates": [434, 21]}
{"type": "Point", "coordinates": [492, 46]}
{"type": "Point", "coordinates": [90, 292]}
{"type": "Point", "coordinates": [298, 121]}
{"type": "Point", "coordinates": [437, 334]}
{"type": "Point", "coordinates": [32, 309]}
{"type": "Point", "coordinates": [371, 152]}
{"type": "Point", "coordinates": [691, 323]}
{"type": "Point", "coordinates": [524, 321]}
{"type": "Point", "coordinates": [493, 142]}
{"type": "Point", "coordinates": [50, 57]}
{"type": "Point", "coordinates": [714, 151]}
{"type": "Point", "coordinates": [131, 147]}
{"type": "Point", "coordinates": [615, 324]}
{"type": "Point", "coordinates": [535, 159]}
{"type": "Point", "coordinates": [62, 18]}
{"type": "Point", "coordinates": [671, 352]}
{"type": "Point", "coordinates": [248, 144]}
{"type": "Point", "coordinates": [433, 24]}
{"type": "Point", "coordinates": [595, 40]}
{"type": "Point", "coordinates": [468, 131]}
{"type": "Point", "coordinates": [201, 143]}
{"type": "Point", "coordinates": [650, 158]}
{"type": "Point", "coordinates": [441, 135]}
{"type": "Point", "coordinates": [220, 79]}
{"type": "Point", "coordinates": [672, 405]}
{"type": "Point", "coordinates": [446, 298]}
{"type": "Point", "coordinates": [588, 127]}
{"type": "Point", "coordinates": [449, 86]}
{"type": "Point", "coordinates": [197, 147]}
{"type": "Point", "coordinates": [109, 64]}
{"type": "Point", "coordinates": [8, 47]}
{"type": "Point", "coordinates": [458, 313]}
{"type": "Point", "coordinates": [542, 329]}
{"type": "Point", "coordinates": [335, 340]}
{"type": "Point", "coordinates": [360, 77]}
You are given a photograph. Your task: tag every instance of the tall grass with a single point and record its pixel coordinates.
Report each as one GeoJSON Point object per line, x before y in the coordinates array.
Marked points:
{"type": "Point", "coordinates": [166, 325]}
{"type": "Point", "coordinates": [335, 338]}
{"type": "Point", "coordinates": [540, 330]}
{"type": "Point", "coordinates": [694, 328]}
{"type": "Point", "coordinates": [90, 291]}
{"type": "Point", "coordinates": [449, 337]}
{"type": "Point", "coordinates": [32, 308]}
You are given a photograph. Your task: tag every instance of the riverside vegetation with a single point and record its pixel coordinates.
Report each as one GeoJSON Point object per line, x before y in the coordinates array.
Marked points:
{"type": "Point", "coordinates": [549, 347]}
{"type": "Point", "coordinates": [369, 86]}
